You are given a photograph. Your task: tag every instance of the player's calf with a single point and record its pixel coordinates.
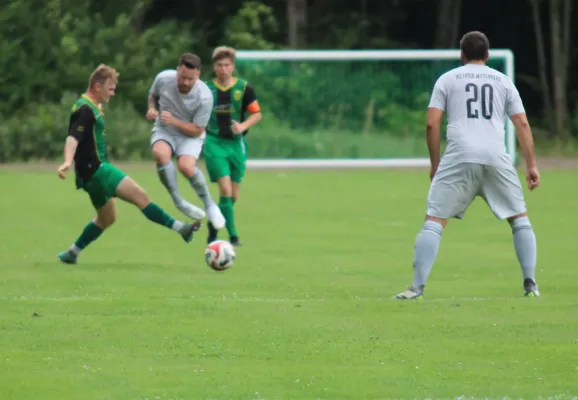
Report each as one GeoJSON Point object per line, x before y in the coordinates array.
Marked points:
{"type": "Point", "coordinates": [162, 152]}
{"type": "Point", "coordinates": [130, 191]}
{"type": "Point", "coordinates": [105, 217]}
{"type": "Point", "coordinates": [236, 191]}
{"type": "Point", "coordinates": [425, 253]}
{"type": "Point", "coordinates": [89, 234]}
{"type": "Point", "coordinates": [187, 165]}
{"type": "Point", "coordinates": [235, 241]}
{"type": "Point", "coordinates": [226, 204]}
{"type": "Point", "coordinates": [168, 176]}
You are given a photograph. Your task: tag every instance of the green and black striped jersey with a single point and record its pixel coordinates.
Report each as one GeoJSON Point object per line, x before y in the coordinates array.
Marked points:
{"type": "Point", "coordinates": [86, 125]}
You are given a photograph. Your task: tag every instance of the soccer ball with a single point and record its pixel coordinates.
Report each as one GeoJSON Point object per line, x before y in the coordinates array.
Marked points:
{"type": "Point", "coordinates": [220, 255]}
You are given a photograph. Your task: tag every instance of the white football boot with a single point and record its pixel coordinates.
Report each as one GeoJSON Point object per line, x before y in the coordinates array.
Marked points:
{"type": "Point", "coordinates": [215, 216]}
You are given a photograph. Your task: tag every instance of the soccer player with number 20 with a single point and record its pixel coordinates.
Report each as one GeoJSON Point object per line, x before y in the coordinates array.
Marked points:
{"type": "Point", "coordinates": [478, 100]}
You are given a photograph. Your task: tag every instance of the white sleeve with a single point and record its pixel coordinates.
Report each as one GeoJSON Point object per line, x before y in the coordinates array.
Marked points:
{"type": "Point", "coordinates": [439, 95]}
{"type": "Point", "coordinates": [514, 101]}
{"type": "Point", "coordinates": [203, 114]}
{"type": "Point", "coordinates": [155, 89]}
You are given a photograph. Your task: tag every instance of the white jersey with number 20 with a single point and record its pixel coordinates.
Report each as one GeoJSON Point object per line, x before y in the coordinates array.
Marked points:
{"type": "Point", "coordinates": [477, 100]}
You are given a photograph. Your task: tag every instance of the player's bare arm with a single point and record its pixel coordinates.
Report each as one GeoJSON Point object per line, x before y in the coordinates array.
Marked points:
{"type": "Point", "coordinates": [250, 106]}
{"type": "Point", "coordinates": [186, 128]}
{"type": "Point", "coordinates": [433, 137]}
{"type": "Point", "coordinates": [154, 96]}
{"type": "Point", "coordinates": [82, 121]}
{"type": "Point", "coordinates": [152, 112]}
{"type": "Point", "coordinates": [240, 127]}
{"type": "Point", "coordinates": [199, 122]}
{"type": "Point", "coordinates": [253, 119]}
{"type": "Point", "coordinates": [524, 134]}
{"type": "Point", "coordinates": [69, 150]}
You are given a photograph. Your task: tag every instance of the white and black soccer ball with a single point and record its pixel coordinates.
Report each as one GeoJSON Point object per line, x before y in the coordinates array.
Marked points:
{"type": "Point", "coordinates": [220, 255]}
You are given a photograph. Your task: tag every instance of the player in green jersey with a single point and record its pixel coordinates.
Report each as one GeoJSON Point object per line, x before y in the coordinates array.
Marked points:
{"type": "Point", "coordinates": [235, 110]}
{"type": "Point", "coordinates": [86, 146]}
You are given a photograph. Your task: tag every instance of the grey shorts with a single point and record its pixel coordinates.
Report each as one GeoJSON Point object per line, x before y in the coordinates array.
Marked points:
{"type": "Point", "coordinates": [180, 144]}
{"type": "Point", "coordinates": [454, 187]}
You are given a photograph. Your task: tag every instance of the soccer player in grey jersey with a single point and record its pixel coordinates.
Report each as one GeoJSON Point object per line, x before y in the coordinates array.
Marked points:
{"type": "Point", "coordinates": [477, 100]}
{"type": "Point", "coordinates": [181, 104]}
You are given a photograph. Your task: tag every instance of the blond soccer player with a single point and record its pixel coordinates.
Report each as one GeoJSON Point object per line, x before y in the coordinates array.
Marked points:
{"type": "Point", "coordinates": [86, 148]}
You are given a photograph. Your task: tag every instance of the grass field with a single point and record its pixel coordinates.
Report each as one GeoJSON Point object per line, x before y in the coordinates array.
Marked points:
{"type": "Point", "coordinates": [305, 312]}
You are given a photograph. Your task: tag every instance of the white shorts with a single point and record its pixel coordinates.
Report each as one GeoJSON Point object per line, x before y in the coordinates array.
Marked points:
{"type": "Point", "coordinates": [454, 187]}
{"type": "Point", "coordinates": [180, 144]}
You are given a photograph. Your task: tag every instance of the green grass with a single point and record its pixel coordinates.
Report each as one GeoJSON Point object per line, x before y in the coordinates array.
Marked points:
{"type": "Point", "coordinates": [557, 147]}
{"type": "Point", "coordinates": [304, 313]}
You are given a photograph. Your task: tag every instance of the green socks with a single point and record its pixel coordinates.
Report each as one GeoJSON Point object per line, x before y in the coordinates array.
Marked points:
{"type": "Point", "coordinates": [226, 206]}
{"type": "Point", "coordinates": [90, 233]}
{"type": "Point", "coordinates": [152, 211]}
{"type": "Point", "coordinates": [156, 214]}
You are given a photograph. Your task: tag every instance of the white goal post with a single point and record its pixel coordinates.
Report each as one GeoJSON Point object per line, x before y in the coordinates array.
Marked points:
{"type": "Point", "coordinates": [352, 55]}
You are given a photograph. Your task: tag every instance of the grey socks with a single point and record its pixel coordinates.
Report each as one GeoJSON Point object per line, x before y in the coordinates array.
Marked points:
{"type": "Point", "coordinates": [426, 250]}
{"type": "Point", "coordinates": [428, 240]}
{"type": "Point", "coordinates": [525, 245]}
{"type": "Point", "coordinates": [199, 184]}
{"type": "Point", "coordinates": [168, 176]}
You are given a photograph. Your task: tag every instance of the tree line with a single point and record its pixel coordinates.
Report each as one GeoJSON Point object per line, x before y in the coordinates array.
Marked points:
{"type": "Point", "coordinates": [50, 47]}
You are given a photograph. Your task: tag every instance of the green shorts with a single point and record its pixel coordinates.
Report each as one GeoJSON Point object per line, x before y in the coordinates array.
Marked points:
{"type": "Point", "coordinates": [102, 186]}
{"type": "Point", "coordinates": [225, 157]}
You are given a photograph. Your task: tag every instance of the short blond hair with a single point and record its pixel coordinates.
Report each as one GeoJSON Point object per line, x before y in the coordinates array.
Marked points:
{"type": "Point", "coordinates": [223, 52]}
{"type": "Point", "coordinates": [101, 74]}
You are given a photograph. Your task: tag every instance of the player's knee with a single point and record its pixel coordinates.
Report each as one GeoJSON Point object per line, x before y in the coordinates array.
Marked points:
{"type": "Point", "coordinates": [225, 187]}
{"type": "Point", "coordinates": [137, 196]}
{"type": "Point", "coordinates": [520, 222]}
{"type": "Point", "coordinates": [162, 152]}
{"type": "Point", "coordinates": [105, 221]}
{"type": "Point", "coordinates": [187, 171]}
{"type": "Point", "coordinates": [106, 216]}
{"type": "Point", "coordinates": [187, 165]}
{"type": "Point", "coordinates": [141, 198]}
{"type": "Point", "coordinates": [225, 191]}
{"type": "Point", "coordinates": [443, 222]}
{"type": "Point", "coordinates": [516, 217]}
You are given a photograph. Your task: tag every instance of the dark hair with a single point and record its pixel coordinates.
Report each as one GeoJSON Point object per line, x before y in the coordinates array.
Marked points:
{"type": "Point", "coordinates": [191, 61]}
{"type": "Point", "coordinates": [475, 46]}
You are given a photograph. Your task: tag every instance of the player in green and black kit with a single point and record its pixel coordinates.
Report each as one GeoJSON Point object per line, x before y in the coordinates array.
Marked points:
{"type": "Point", "coordinates": [235, 110]}
{"type": "Point", "coordinates": [86, 145]}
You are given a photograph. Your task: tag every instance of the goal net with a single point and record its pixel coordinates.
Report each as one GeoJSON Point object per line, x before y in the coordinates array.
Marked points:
{"type": "Point", "coordinates": [347, 108]}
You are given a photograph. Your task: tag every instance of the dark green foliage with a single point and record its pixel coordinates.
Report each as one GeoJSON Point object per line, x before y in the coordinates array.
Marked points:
{"type": "Point", "coordinates": [39, 130]}
{"type": "Point", "coordinates": [311, 109]}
